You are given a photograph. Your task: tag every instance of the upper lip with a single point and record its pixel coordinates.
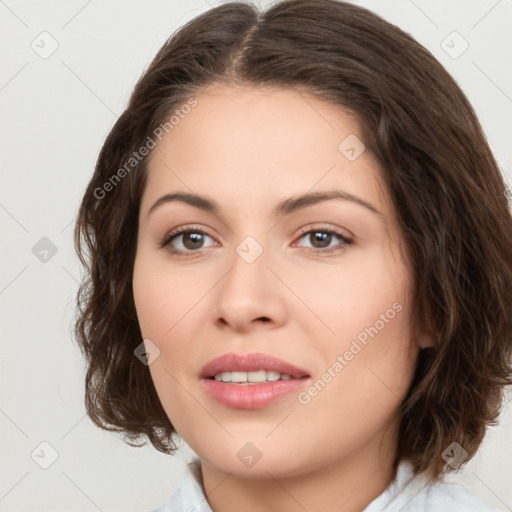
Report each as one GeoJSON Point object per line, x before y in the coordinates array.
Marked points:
{"type": "Point", "coordinates": [250, 363]}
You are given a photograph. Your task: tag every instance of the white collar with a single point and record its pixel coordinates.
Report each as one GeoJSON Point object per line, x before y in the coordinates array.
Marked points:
{"type": "Point", "coordinates": [406, 493]}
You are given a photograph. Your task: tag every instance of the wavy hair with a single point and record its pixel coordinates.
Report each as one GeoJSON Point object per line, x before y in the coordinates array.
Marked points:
{"type": "Point", "coordinates": [441, 176]}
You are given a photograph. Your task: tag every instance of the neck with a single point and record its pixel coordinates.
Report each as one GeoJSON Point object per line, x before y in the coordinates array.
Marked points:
{"type": "Point", "coordinates": [348, 484]}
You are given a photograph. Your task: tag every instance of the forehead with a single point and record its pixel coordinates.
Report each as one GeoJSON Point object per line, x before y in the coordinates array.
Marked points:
{"type": "Point", "coordinates": [255, 143]}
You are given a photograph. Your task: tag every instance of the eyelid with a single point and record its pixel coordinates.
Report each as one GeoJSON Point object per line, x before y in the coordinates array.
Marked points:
{"type": "Point", "coordinates": [165, 240]}
{"type": "Point", "coordinates": [346, 240]}
{"type": "Point", "coordinates": [323, 227]}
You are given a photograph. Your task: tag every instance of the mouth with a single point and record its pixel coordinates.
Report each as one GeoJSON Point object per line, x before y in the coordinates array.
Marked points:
{"type": "Point", "coordinates": [253, 367]}
{"type": "Point", "coordinates": [253, 377]}
{"type": "Point", "coordinates": [251, 381]}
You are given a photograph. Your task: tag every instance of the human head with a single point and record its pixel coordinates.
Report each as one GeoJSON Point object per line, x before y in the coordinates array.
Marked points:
{"type": "Point", "coordinates": [436, 167]}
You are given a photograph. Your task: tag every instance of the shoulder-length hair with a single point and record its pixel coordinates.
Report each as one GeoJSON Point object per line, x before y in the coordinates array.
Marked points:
{"type": "Point", "coordinates": [441, 176]}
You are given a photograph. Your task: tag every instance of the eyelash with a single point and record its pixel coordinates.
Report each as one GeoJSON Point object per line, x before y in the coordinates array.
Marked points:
{"type": "Point", "coordinates": [169, 237]}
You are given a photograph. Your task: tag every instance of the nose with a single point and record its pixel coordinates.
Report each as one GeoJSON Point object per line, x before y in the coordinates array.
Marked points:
{"type": "Point", "coordinates": [250, 295]}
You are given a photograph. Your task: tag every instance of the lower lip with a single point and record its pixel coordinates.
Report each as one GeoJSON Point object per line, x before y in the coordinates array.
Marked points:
{"type": "Point", "coordinates": [251, 396]}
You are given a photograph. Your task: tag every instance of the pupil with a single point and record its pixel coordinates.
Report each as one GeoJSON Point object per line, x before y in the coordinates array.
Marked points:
{"type": "Point", "coordinates": [196, 240]}
{"type": "Point", "coordinates": [321, 237]}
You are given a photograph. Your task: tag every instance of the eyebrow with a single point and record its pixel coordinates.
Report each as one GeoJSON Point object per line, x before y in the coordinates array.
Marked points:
{"type": "Point", "coordinates": [289, 205]}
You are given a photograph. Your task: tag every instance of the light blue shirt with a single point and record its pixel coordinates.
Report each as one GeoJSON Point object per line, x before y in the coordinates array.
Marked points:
{"type": "Point", "coordinates": [405, 493]}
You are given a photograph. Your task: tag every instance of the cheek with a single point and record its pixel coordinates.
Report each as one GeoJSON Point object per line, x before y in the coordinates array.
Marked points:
{"type": "Point", "coordinates": [168, 303]}
{"type": "Point", "coordinates": [163, 296]}
{"type": "Point", "coordinates": [162, 299]}
{"type": "Point", "coordinates": [362, 385]}
{"type": "Point", "coordinates": [369, 320]}
{"type": "Point", "coordinates": [150, 304]}
{"type": "Point", "coordinates": [353, 296]}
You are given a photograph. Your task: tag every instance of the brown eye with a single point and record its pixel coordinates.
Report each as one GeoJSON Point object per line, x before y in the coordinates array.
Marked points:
{"type": "Point", "coordinates": [320, 240]}
{"type": "Point", "coordinates": [185, 241]}
{"type": "Point", "coordinates": [193, 240]}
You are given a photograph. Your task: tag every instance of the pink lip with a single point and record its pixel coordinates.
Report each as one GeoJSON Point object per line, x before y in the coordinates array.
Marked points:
{"type": "Point", "coordinates": [250, 363]}
{"type": "Point", "coordinates": [250, 396]}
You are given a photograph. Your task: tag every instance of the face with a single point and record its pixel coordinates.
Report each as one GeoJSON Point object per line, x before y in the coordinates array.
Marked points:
{"type": "Point", "coordinates": [320, 284]}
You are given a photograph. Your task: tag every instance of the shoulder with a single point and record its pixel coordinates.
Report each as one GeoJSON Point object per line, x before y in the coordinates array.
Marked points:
{"type": "Point", "coordinates": [410, 493]}
{"type": "Point", "coordinates": [189, 496]}
{"type": "Point", "coordinates": [454, 496]}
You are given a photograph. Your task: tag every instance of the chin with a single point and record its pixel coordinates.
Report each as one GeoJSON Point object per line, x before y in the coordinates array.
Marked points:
{"type": "Point", "coordinates": [249, 461]}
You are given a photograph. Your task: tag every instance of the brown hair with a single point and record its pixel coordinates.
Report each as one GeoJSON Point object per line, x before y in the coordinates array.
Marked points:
{"type": "Point", "coordinates": [443, 181]}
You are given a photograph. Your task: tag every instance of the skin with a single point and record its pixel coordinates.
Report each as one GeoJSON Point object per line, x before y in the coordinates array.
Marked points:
{"type": "Point", "coordinates": [247, 149]}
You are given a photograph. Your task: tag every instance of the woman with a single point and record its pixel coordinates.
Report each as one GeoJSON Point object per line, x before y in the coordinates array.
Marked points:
{"type": "Point", "coordinates": [301, 264]}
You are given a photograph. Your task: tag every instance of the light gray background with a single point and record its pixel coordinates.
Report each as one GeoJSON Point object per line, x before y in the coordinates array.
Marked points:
{"type": "Point", "coordinates": [55, 114]}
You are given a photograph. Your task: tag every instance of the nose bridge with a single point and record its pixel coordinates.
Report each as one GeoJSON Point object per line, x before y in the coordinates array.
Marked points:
{"type": "Point", "coordinates": [249, 291]}
{"type": "Point", "coordinates": [247, 277]}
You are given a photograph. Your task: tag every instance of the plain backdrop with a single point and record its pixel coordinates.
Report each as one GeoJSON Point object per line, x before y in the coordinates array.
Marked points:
{"type": "Point", "coordinates": [66, 71]}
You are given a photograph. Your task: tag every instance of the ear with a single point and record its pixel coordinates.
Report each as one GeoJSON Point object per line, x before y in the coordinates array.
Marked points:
{"type": "Point", "coordinates": [425, 340]}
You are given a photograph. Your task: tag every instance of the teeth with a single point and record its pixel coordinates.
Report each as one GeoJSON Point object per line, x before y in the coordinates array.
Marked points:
{"type": "Point", "coordinates": [251, 377]}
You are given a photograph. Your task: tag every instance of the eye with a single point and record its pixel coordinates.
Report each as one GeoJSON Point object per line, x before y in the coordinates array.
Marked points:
{"type": "Point", "coordinates": [185, 240]}
{"type": "Point", "coordinates": [188, 240]}
{"type": "Point", "coordinates": [321, 238]}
